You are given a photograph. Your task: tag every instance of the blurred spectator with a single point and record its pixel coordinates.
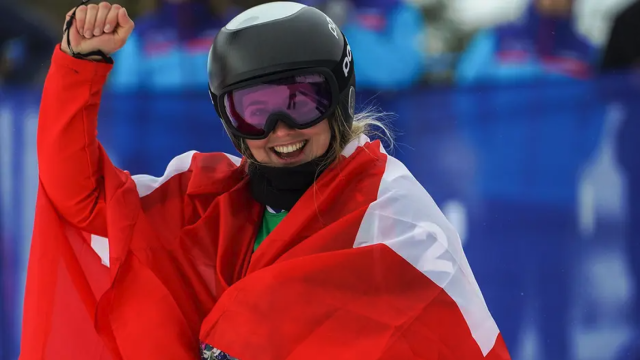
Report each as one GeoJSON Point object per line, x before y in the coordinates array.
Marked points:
{"type": "Point", "coordinates": [170, 45]}
{"type": "Point", "coordinates": [443, 38]}
{"type": "Point", "coordinates": [386, 34]}
{"type": "Point", "coordinates": [25, 45]}
{"type": "Point", "coordinates": [594, 18]}
{"type": "Point", "coordinates": [543, 43]}
{"type": "Point", "coordinates": [623, 49]}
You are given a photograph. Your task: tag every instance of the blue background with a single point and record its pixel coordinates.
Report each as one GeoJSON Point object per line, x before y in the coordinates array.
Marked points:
{"type": "Point", "coordinates": [530, 174]}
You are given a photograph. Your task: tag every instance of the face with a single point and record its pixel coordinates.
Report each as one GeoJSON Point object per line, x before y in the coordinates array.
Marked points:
{"type": "Point", "coordinates": [286, 146]}
{"type": "Point", "coordinates": [554, 7]}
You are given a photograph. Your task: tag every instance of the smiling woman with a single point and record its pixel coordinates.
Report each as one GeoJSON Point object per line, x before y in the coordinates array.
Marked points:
{"type": "Point", "coordinates": [288, 107]}
{"type": "Point", "coordinates": [316, 242]}
{"type": "Point", "coordinates": [279, 107]}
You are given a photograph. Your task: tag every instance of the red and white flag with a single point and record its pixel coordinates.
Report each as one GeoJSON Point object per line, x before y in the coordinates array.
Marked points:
{"type": "Point", "coordinates": [365, 266]}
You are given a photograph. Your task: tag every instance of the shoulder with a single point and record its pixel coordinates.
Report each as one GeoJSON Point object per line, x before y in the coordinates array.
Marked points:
{"type": "Point", "coordinates": [371, 161]}
{"type": "Point", "coordinates": [191, 171]}
{"type": "Point", "coordinates": [400, 201]}
{"type": "Point", "coordinates": [190, 184]}
{"type": "Point", "coordinates": [399, 182]}
{"type": "Point", "coordinates": [178, 168]}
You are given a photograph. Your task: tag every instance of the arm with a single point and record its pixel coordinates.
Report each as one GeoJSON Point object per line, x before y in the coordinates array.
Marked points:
{"type": "Point", "coordinates": [69, 154]}
{"type": "Point", "coordinates": [68, 150]}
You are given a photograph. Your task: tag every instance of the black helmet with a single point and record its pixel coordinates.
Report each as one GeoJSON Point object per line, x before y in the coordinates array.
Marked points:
{"type": "Point", "coordinates": [275, 40]}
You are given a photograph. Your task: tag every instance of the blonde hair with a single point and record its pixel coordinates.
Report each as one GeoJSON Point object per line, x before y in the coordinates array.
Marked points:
{"type": "Point", "coordinates": [371, 122]}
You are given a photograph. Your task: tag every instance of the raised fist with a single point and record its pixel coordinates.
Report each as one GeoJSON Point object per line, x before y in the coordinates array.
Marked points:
{"type": "Point", "coordinates": [102, 27]}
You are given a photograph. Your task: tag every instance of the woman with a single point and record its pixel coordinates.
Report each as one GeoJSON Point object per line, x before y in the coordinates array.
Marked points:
{"type": "Point", "coordinates": [315, 243]}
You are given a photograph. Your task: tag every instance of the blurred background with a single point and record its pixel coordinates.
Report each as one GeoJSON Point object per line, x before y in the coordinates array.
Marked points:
{"type": "Point", "coordinates": [520, 117]}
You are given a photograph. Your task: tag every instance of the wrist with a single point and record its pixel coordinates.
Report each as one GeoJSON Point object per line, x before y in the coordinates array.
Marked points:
{"type": "Point", "coordinates": [96, 58]}
{"type": "Point", "coordinates": [65, 49]}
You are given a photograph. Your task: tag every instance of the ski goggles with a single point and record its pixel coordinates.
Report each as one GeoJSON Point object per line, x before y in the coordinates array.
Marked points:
{"type": "Point", "coordinates": [299, 100]}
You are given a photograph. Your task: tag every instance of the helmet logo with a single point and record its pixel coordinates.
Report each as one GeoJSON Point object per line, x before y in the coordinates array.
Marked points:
{"type": "Point", "coordinates": [346, 63]}
{"type": "Point", "coordinates": [333, 28]}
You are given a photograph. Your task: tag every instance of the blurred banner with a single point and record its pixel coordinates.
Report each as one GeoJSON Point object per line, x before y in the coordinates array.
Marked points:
{"type": "Point", "coordinates": [535, 178]}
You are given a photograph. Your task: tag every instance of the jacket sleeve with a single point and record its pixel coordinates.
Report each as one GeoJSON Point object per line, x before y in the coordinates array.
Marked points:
{"type": "Point", "coordinates": [69, 153]}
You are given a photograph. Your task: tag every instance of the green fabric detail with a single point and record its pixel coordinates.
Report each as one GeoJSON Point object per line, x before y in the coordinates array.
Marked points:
{"type": "Point", "coordinates": [269, 222]}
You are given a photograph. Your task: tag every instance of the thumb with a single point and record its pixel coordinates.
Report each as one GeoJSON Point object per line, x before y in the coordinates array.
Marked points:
{"type": "Point", "coordinates": [64, 26]}
{"type": "Point", "coordinates": [74, 35]}
{"type": "Point", "coordinates": [66, 22]}
{"type": "Point", "coordinates": [125, 23]}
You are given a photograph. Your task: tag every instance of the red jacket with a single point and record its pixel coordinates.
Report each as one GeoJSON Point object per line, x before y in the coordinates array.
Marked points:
{"type": "Point", "coordinates": [365, 266]}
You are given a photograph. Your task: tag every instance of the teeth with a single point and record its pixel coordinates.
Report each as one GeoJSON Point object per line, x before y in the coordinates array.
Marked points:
{"type": "Point", "coordinates": [289, 148]}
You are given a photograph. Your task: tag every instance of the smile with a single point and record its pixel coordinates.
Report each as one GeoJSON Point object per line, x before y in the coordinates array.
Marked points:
{"type": "Point", "coordinates": [287, 149]}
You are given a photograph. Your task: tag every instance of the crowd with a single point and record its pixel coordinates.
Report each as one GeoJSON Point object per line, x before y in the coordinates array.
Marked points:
{"type": "Point", "coordinates": [404, 43]}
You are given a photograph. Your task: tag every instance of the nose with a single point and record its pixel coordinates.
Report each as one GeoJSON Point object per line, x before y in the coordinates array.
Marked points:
{"type": "Point", "coordinates": [282, 129]}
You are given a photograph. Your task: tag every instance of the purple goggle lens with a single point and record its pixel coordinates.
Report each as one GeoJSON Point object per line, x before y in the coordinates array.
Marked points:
{"type": "Point", "coordinates": [304, 98]}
